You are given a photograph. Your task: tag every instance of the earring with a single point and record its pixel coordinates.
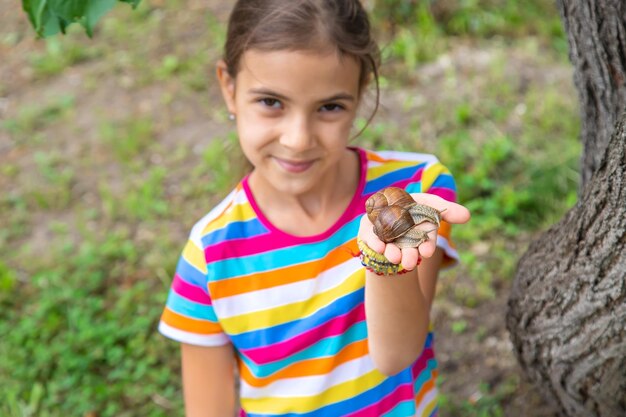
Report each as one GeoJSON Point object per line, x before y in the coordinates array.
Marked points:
{"type": "Point", "coordinates": [231, 116]}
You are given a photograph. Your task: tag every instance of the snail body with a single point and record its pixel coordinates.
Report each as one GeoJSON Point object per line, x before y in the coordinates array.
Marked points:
{"type": "Point", "coordinates": [395, 217]}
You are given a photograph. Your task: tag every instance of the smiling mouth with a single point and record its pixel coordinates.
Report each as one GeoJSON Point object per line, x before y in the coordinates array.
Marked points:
{"type": "Point", "coordinates": [294, 167]}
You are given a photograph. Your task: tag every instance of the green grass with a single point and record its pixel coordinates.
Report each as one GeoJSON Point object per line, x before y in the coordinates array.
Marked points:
{"type": "Point", "coordinates": [80, 298]}
{"type": "Point", "coordinates": [29, 122]}
{"type": "Point", "coordinates": [485, 402]}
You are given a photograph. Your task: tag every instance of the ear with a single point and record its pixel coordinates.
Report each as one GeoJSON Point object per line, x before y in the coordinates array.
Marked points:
{"type": "Point", "coordinates": [227, 85]}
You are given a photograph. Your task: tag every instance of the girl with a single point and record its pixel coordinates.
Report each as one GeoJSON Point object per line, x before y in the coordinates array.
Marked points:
{"type": "Point", "coordinates": [268, 288]}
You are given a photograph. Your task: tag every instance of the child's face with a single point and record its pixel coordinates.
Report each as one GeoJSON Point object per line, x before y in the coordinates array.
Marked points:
{"type": "Point", "coordinates": [294, 113]}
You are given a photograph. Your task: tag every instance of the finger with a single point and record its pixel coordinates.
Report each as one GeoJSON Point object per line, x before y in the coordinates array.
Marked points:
{"type": "Point", "coordinates": [450, 212]}
{"type": "Point", "coordinates": [427, 248]}
{"type": "Point", "coordinates": [366, 233]}
{"type": "Point", "coordinates": [409, 258]}
{"type": "Point", "coordinates": [392, 252]}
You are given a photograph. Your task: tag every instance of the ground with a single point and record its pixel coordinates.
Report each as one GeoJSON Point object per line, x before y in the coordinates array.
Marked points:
{"type": "Point", "coordinates": [91, 96]}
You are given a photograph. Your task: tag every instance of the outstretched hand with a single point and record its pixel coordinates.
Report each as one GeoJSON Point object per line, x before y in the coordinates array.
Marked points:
{"type": "Point", "coordinates": [450, 212]}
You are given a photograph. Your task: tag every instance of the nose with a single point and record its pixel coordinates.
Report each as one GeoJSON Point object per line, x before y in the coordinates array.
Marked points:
{"type": "Point", "coordinates": [298, 134]}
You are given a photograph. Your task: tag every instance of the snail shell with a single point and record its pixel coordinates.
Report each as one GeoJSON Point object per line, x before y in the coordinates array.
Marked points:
{"type": "Point", "coordinates": [388, 197]}
{"type": "Point", "coordinates": [395, 215]}
{"type": "Point", "coordinates": [392, 222]}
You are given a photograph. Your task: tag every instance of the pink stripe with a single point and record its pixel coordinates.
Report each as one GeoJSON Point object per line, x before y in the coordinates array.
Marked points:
{"type": "Point", "coordinates": [281, 350]}
{"type": "Point", "coordinates": [421, 362]}
{"type": "Point", "coordinates": [445, 193]}
{"type": "Point", "coordinates": [418, 175]}
{"type": "Point", "coordinates": [404, 183]}
{"type": "Point", "coordinates": [243, 247]}
{"type": "Point", "coordinates": [403, 392]}
{"type": "Point", "coordinates": [190, 292]}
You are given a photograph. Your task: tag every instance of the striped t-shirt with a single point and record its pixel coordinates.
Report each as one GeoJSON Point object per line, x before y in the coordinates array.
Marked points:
{"type": "Point", "coordinates": [292, 306]}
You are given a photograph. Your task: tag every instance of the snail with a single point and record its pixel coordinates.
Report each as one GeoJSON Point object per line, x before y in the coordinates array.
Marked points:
{"type": "Point", "coordinates": [395, 216]}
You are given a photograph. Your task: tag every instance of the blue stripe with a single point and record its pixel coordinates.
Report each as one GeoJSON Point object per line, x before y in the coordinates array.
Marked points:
{"type": "Point", "coordinates": [414, 187]}
{"type": "Point", "coordinates": [404, 409]}
{"type": "Point", "coordinates": [391, 178]}
{"type": "Point", "coordinates": [235, 230]}
{"type": "Point", "coordinates": [189, 308]}
{"type": "Point", "coordinates": [425, 375]}
{"type": "Point", "coordinates": [326, 347]}
{"type": "Point", "coordinates": [445, 181]}
{"type": "Point", "coordinates": [280, 258]}
{"type": "Point", "coordinates": [428, 343]}
{"type": "Point", "coordinates": [286, 331]}
{"type": "Point", "coordinates": [365, 399]}
{"type": "Point", "coordinates": [190, 274]}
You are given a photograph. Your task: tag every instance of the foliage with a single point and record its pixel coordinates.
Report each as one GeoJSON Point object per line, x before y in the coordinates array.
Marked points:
{"type": "Point", "coordinates": [83, 333]}
{"type": "Point", "coordinates": [48, 17]}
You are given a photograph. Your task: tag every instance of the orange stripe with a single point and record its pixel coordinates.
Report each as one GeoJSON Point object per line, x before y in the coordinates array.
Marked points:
{"type": "Point", "coordinates": [378, 158]}
{"type": "Point", "coordinates": [188, 324]}
{"type": "Point", "coordinates": [295, 273]}
{"type": "Point", "coordinates": [375, 157]}
{"type": "Point", "coordinates": [319, 366]}
{"type": "Point", "coordinates": [427, 387]}
{"type": "Point", "coordinates": [445, 230]}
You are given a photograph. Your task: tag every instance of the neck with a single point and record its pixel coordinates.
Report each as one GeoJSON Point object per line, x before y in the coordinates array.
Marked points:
{"type": "Point", "coordinates": [316, 210]}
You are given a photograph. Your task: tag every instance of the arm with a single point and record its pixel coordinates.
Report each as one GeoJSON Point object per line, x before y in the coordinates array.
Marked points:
{"type": "Point", "coordinates": [428, 272]}
{"type": "Point", "coordinates": [398, 307]}
{"type": "Point", "coordinates": [398, 314]}
{"type": "Point", "coordinates": [208, 380]}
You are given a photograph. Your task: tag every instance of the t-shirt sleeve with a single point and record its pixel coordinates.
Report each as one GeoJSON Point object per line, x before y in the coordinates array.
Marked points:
{"type": "Point", "coordinates": [436, 179]}
{"type": "Point", "coordinates": [188, 315]}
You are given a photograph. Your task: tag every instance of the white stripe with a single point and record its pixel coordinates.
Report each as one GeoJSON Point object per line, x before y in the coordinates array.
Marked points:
{"type": "Point", "coordinates": [427, 399]}
{"type": "Point", "coordinates": [443, 243]}
{"type": "Point", "coordinates": [196, 230]}
{"type": "Point", "coordinates": [219, 339]}
{"type": "Point", "coordinates": [408, 156]}
{"type": "Point", "coordinates": [269, 298]}
{"type": "Point", "coordinates": [310, 385]}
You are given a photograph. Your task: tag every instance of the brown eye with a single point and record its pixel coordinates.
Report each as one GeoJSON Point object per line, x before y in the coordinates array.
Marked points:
{"type": "Point", "coordinates": [331, 107]}
{"type": "Point", "coordinates": [271, 102]}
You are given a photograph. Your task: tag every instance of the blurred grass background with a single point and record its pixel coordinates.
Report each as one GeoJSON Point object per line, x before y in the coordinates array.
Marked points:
{"type": "Point", "coordinates": [112, 147]}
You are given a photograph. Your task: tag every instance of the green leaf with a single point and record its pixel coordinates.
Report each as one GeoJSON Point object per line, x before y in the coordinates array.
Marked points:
{"type": "Point", "coordinates": [48, 17]}
{"type": "Point", "coordinates": [95, 10]}
{"type": "Point", "coordinates": [134, 3]}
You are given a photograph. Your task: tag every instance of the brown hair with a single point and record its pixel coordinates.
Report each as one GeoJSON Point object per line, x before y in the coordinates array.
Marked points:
{"type": "Point", "coordinates": [270, 25]}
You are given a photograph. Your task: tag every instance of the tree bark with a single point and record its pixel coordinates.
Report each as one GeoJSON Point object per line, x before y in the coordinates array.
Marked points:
{"type": "Point", "coordinates": [596, 32]}
{"type": "Point", "coordinates": [567, 307]}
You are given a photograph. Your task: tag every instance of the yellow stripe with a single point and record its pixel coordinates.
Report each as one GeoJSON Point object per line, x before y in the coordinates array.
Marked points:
{"type": "Point", "coordinates": [239, 212]}
{"type": "Point", "coordinates": [340, 392]}
{"type": "Point", "coordinates": [429, 408]}
{"type": "Point", "coordinates": [381, 170]}
{"type": "Point", "coordinates": [277, 315]}
{"type": "Point", "coordinates": [195, 256]}
{"type": "Point", "coordinates": [430, 174]}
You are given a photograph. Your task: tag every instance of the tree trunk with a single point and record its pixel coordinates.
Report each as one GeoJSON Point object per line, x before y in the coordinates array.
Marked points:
{"type": "Point", "coordinates": [596, 31]}
{"type": "Point", "coordinates": [567, 308]}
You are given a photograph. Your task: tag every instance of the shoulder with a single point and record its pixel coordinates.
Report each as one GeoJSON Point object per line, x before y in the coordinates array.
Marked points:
{"type": "Point", "coordinates": [230, 210]}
